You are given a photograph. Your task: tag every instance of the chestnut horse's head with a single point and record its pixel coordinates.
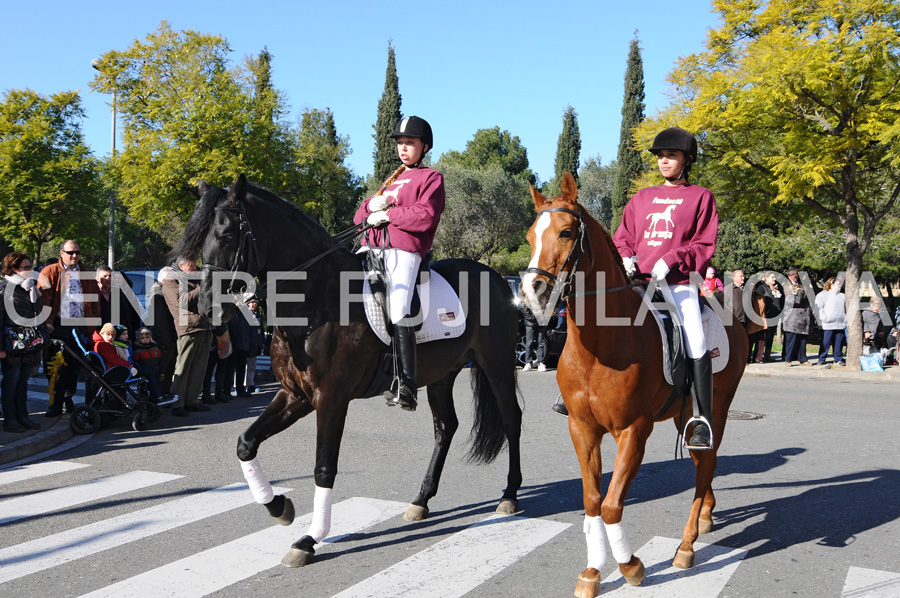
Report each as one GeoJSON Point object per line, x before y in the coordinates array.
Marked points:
{"type": "Point", "coordinates": [556, 239]}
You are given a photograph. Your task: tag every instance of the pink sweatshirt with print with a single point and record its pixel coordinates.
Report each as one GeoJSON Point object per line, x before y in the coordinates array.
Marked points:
{"type": "Point", "coordinates": [677, 224]}
{"type": "Point", "coordinates": [417, 202]}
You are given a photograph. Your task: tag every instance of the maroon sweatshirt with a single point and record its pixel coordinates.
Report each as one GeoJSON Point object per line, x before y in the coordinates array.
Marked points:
{"type": "Point", "coordinates": [677, 224]}
{"type": "Point", "coordinates": [417, 197]}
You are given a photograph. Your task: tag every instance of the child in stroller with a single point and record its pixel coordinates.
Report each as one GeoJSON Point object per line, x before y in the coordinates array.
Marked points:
{"type": "Point", "coordinates": [111, 343]}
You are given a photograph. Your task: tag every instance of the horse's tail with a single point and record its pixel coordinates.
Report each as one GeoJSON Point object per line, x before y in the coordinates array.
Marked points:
{"type": "Point", "coordinates": [487, 437]}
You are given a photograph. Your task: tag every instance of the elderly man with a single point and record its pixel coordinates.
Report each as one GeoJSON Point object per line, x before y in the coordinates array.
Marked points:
{"type": "Point", "coordinates": [71, 294]}
{"type": "Point", "coordinates": [181, 289]}
{"type": "Point", "coordinates": [734, 297]}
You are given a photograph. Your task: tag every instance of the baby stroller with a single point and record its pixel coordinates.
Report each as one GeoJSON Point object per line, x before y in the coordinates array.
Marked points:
{"type": "Point", "coordinates": [110, 393]}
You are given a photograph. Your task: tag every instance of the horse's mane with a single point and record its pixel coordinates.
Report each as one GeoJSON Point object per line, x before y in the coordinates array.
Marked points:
{"type": "Point", "coordinates": [197, 227]}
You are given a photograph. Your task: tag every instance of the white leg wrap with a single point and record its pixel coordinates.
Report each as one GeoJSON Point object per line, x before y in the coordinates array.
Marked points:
{"type": "Point", "coordinates": [321, 521]}
{"type": "Point", "coordinates": [260, 487]}
{"type": "Point", "coordinates": [618, 542]}
{"type": "Point", "coordinates": [596, 542]}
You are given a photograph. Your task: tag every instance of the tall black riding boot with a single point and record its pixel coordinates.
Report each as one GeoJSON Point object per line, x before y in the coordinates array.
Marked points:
{"type": "Point", "coordinates": [703, 398]}
{"type": "Point", "coordinates": [405, 337]}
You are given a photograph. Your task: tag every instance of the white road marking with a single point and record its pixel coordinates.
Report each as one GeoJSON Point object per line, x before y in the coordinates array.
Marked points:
{"type": "Point", "coordinates": [871, 583]}
{"type": "Point", "coordinates": [22, 473]}
{"type": "Point", "coordinates": [713, 566]}
{"type": "Point", "coordinates": [44, 553]}
{"type": "Point", "coordinates": [224, 565]}
{"type": "Point", "coordinates": [458, 564]}
{"type": "Point", "coordinates": [64, 498]}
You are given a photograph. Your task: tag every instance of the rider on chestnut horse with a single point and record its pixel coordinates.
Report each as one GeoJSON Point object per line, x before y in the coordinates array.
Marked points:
{"type": "Point", "coordinates": [673, 228]}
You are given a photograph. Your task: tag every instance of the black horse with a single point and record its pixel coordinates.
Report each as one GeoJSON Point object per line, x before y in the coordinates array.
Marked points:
{"type": "Point", "coordinates": [325, 363]}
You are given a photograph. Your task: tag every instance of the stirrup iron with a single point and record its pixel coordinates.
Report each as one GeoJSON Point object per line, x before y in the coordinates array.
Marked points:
{"type": "Point", "coordinates": [684, 437]}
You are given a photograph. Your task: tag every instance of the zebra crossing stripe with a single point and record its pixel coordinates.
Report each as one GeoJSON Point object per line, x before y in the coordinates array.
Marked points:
{"type": "Point", "coordinates": [70, 496]}
{"type": "Point", "coordinates": [44, 553]}
{"type": "Point", "coordinates": [713, 566]}
{"type": "Point", "coordinates": [871, 583]}
{"type": "Point", "coordinates": [458, 564]}
{"type": "Point", "coordinates": [22, 473]}
{"type": "Point", "coordinates": [211, 570]}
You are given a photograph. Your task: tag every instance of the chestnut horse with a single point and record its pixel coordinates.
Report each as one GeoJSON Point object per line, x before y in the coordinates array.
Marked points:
{"type": "Point", "coordinates": [614, 382]}
{"type": "Point", "coordinates": [325, 358]}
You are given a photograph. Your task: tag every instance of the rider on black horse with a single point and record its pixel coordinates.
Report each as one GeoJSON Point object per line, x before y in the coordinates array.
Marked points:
{"type": "Point", "coordinates": [404, 216]}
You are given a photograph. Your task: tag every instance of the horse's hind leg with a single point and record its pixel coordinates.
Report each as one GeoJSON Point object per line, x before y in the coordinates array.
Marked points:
{"type": "Point", "coordinates": [443, 412]}
{"type": "Point", "coordinates": [502, 382]}
{"type": "Point", "coordinates": [281, 413]}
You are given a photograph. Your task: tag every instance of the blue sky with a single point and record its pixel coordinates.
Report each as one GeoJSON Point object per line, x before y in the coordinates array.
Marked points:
{"type": "Point", "coordinates": [462, 65]}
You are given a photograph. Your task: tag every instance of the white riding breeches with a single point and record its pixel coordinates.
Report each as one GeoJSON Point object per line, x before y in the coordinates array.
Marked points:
{"type": "Point", "coordinates": [686, 299]}
{"type": "Point", "coordinates": [402, 268]}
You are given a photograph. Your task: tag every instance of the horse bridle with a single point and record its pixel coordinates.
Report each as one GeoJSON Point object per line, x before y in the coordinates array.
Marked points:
{"type": "Point", "coordinates": [577, 245]}
{"type": "Point", "coordinates": [580, 237]}
{"type": "Point", "coordinates": [246, 244]}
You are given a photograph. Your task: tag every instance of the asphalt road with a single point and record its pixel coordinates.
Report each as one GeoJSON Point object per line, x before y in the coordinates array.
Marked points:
{"type": "Point", "coordinates": [807, 490]}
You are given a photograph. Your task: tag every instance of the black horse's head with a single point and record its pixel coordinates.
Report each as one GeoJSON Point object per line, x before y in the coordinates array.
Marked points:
{"type": "Point", "coordinates": [220, 231]}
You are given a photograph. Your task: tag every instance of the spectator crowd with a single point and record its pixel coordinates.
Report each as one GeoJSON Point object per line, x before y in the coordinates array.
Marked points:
{"type": "Point", "coordinates": [177, 350]}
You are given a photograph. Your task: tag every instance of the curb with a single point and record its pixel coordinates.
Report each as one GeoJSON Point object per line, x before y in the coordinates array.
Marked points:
{"type": "Point", "coordinates": [778, 369]}
{"type": "Point", "coordinates": [58, 433]}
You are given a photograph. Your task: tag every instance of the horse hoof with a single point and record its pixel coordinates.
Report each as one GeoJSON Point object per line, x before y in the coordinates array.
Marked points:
{"type": "Point", "coordinates": [706, 526]}
{"type": "Point", "coordinates": [287, 515]}
{"type": "Point", "coordinates": [297, 558]}
{"type": "Point", "coordinates": [684, 559]}
{"type": "Point", "coordinates": [633, 571]}
{"type": "Point", "coordinates": [588, 585]}
{"type": "Point", "coordinates": [415, 513]}
{"type": "Point", "coordinates": [508, 506]}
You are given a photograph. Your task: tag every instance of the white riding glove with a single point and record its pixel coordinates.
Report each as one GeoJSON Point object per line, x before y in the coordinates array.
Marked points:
{"type": "Point", "coordinates": [134, 372]}
{"type": "Point", "coordinates": [660, 269]}
{"type": "Point", "coordinates": [378, 203]}
{"type": "Point", "coordinates": [630, 263]}
{"type": "Point", "coordinates": [377, 218]}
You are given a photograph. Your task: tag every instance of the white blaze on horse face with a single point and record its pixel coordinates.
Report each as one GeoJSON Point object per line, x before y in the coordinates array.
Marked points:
{"type": "Point", "coordinates": [540, 227]}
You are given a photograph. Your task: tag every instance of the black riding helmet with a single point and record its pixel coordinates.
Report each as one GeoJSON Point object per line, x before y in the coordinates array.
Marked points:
{"type": "Point", "coordinates": [413, 126]}
{"type": "Point", "coordinates": [675, 138]}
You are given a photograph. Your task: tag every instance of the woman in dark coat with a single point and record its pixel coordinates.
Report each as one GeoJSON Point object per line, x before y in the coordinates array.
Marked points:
{"type": "Point", "coordinates": [797, 321]}
{"type": "Point", "coordinates": [16, 363]}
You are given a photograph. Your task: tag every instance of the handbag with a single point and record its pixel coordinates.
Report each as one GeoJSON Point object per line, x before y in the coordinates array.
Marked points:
{"type": "Point", "coordinates": [24, 339]}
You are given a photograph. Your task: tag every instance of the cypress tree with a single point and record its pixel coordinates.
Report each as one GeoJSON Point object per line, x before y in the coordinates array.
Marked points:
{"type": "Point", "coordinates": [568, 148]}
{"type": "Point", "coordinates": [629, 166]}
{"type": "Point", "coordinates": [385, 155]}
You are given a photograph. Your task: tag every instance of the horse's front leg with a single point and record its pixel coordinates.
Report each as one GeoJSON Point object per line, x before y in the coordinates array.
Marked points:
{"type": "Point", "coordinates": [631, 444]}
{"type": "Point", "coordinates": [586, 438]}
{"type": "Point", "coordinates": [281, 413]}
{"type": "Point", "coordinates": [331, 414]}
{"type": "Point", "coordinates": [440, 399]}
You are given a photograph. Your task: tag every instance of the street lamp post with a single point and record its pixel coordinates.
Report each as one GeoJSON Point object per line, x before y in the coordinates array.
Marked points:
{"type": "Point", "coordinates": [112, 192]}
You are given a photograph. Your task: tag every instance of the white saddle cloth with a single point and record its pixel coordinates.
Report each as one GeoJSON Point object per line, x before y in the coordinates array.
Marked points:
{"type": "Point", "coordinates": [713, 330]}
{"type": "Point", "coordinates": [444, 317]}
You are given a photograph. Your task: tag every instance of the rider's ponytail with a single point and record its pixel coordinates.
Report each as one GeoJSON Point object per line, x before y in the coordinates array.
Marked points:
{"type": "Point", "coordinates": [392, 178]}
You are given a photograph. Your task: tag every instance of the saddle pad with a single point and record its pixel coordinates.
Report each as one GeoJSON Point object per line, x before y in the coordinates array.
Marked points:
{"type": "Point", "coordinates": [444, 317]}
{"type": "Point", "coordinates": [713, 330]}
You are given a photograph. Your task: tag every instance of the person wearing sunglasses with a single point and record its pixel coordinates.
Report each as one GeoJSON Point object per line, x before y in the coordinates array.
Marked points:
{"type": "Point", "coordinates": [72, 295]}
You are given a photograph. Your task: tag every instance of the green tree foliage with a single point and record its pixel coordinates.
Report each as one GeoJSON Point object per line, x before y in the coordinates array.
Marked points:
{"type": "Point", "coordinates": [49, 181]}
{"type": "Point", "coordinates": [796, 104]}
{"type": "Point", "coordinates": [568, 149]}
{"type": "Point", "coordinates": [489, 147]}
{"type": "Point", "coordinates": [385, 153]}
{"type": "Point", "coordinates": [596, 188]}
{"type": "Point", "coordinates": [187, 116]}
{"type": "Point", "coordinates": [484, 212]}
{"type": "Point", "coordinates": [628, 162]}
{"type": "Point", "coordinates": [324, 186]}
